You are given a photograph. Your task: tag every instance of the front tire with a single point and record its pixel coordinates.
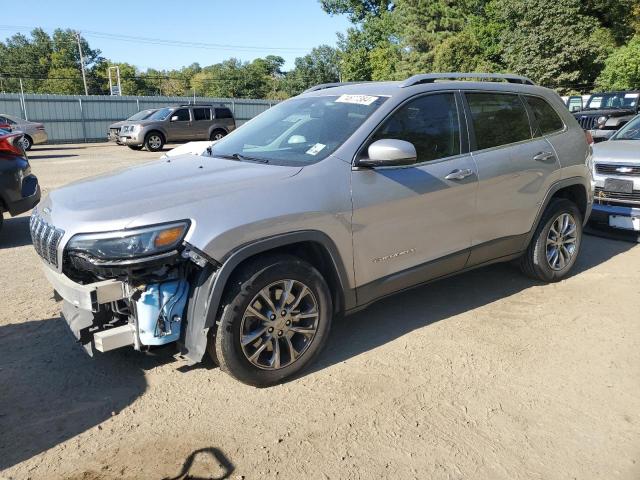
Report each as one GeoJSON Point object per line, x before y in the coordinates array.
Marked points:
{"type": "Point", "coordinates": [154, 141]}
{"type": "Point", "coordinates": [555, 245]}
{"type": "Point", "coordinates": [276, 319]}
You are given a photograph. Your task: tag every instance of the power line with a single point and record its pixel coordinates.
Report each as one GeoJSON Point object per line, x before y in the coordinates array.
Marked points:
{"type": "Point", "coordinates": [169, 42]}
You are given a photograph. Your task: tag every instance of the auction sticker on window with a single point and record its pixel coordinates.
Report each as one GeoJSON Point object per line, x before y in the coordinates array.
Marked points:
{"type": "Point", "coordinates": [316, 149]}
{"type": "Point", "coordinates": [357, 99]}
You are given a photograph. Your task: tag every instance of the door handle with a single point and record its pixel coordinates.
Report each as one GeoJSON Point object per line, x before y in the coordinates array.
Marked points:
{"type": "Point", "coordinates": [458, 174]}
{"type": "Point", "coordinates": [544, 156]}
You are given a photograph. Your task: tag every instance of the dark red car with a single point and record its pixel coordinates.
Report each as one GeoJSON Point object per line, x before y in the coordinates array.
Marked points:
{"type": "Point", "coordinates": [19, 188]}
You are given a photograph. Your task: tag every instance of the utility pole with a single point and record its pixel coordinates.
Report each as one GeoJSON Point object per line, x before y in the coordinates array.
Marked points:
{"type": "Point", "coordinates": [84, 77]}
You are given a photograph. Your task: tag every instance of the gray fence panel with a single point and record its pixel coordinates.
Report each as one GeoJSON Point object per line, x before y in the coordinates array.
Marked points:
{"type": "Point", "coordinates": [82, 118]}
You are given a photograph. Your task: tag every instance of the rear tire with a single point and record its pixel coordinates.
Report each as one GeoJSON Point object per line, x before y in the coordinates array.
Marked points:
{"type": "Point", "coordinates": [261, 341]}
{"type": "Point", "coordinates": [1, 219]}
{"type": "Point", "coordinates": [217, 134]}
{"type": "Point", "coordinates": [555, 245]}
{"type": "Point", "coordinates": [27, 142]}
{"type": "Point", "coordinates": [154, 141]}
{"type": "Point", "coordinates": [135, 147]}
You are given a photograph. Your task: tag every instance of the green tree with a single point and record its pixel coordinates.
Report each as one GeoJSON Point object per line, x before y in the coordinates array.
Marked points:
{"type": "Point", "coordinates": [622, 68]}
{"type": "Point", "coordinates": [620, 17]}
{"type": "Point", "coordinates": [551, 41]}
{"type": "Point", "coordinates": [322, 65]}
{"type": "Point", "coordinates": [357, 10]}
{"type": "Point", "coordinates": [425, 26]}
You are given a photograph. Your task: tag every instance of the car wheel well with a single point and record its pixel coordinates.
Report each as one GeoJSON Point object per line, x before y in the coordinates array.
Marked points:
{"type": "Point", "coordinates": [315, 254]}
{"type": "Point", "coordinates": [164, 139]}
{"type": "Point", "coordinates": [216, 130]}
{"type": "Point", "coordinates": [576, 194]}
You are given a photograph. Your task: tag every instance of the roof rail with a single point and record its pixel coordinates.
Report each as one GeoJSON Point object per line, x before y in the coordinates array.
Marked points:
{"type": "Point", "coordinates": [323, 86]}
{"type": "Point", "coordinates": [432, 77]}
{"type": "Point", "coordinates": [217, 105]}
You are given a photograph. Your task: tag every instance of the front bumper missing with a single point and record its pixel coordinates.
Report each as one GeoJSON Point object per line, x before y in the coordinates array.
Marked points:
{"type": "Point", "coordinates": [81, 310]}
{"type": "Point", "coordinates": [90, 296]}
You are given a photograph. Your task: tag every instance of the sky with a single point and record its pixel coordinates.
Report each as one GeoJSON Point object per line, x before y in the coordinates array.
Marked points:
{"type": "Point", "coordinates": [244, 29]}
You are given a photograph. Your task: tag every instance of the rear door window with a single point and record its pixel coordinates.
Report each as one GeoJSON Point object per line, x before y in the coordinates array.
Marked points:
{"type": "Point", "coordinates": [498, 119]}
{"type": "Point", "coordinates": [430, 123]}
{"type": "Point", "coordinates": [546, 117]}
{"type": "Point", "coordinates": [201, 114]}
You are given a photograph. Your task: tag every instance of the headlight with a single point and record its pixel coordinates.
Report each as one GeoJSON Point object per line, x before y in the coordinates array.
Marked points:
{"type": "Point", "coordinates": [124, 244]}
{"type": "Point", "coordinates": [602, 120]}
{"type": "Point", "coordinates": [136, 128]}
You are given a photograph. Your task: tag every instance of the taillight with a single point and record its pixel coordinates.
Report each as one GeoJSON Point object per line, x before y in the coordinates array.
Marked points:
{"type": "Point", "coordinates": [587, 134]}
{"type": "Point", "coordinates": [9, 144]}
{"type": "Point", "coordinates": [40, 127]}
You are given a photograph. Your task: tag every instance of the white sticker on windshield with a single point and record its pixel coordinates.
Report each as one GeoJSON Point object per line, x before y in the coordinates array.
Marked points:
{"type": "Point", "coordinates": [316, 149]}
{"type": "Point", "coordinates": [631, 95]}
{"type": "Point", "coordinates": [357, 99]}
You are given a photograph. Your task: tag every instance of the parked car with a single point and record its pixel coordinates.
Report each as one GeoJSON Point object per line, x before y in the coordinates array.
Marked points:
{"type": "Point", "coordinates": [617, 179]}
{"type": "Point", "coordinates": [319, 206]}
{"type": "Point", "coordinates": [178, 124]}
{"type": "Point", "coordinates": [113, 133]}
{"type": "Point", "coordinates": [606, 112]}
{"type": "Point", "coordinates": [34, 133]}
{"type": "Point", "coordinates": [19, 189]}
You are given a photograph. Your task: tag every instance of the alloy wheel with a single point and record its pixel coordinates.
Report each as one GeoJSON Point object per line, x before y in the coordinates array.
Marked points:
{"type": "Point", "coordinates": [279, 324]}
{"type": "Point", "coordinates": [155, 141]}
{"type": "Point", "coordinates": [561, 241]}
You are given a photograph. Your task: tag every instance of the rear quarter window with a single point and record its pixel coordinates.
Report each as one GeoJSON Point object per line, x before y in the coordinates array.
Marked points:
{"type": "Point", "coordinates": [223, 113]}
{"type": "Point", "coordinates": [548, 121]}
{"type": "Point", "coordinates": [498, 119]}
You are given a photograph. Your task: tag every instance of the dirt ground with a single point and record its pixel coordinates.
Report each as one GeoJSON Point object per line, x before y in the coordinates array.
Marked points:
{"type": "Point", "coordinates": [487, 375]}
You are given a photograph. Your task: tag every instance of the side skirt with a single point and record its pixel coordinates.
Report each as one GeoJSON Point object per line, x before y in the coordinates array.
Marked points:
{"type": "Point", "coordinates": [496, 251]}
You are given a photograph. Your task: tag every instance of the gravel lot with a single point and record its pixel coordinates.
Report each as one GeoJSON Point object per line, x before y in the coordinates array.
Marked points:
{"type": "Point", "coordinates": [487, 375]}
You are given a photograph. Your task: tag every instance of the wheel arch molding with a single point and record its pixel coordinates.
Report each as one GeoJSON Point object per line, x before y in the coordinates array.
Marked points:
{"type": "Point", "coordinates": [205, 300]}
{"type": "Point", "coordinates": [575, 189]}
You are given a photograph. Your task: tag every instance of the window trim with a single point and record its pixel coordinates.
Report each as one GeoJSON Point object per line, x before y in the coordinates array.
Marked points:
{"type": "Point", "coordinates": [535, 120]}
{"type": "Point", "coordinates": [473, 147]}
{"type": "Point", "coordinates": [464, 139]}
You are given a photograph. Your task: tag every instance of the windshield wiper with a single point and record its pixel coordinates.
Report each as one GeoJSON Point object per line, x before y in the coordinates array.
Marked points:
{"type": "Point", "coordinates": [240, 156]}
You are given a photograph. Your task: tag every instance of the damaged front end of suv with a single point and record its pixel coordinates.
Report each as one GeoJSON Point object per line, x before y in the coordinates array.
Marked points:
{"type": "Point", "coordinates": [122, 288]}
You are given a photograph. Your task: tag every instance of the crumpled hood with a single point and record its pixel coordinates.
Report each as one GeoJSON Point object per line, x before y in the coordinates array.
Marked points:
{"type": "Point", "coordinates": [114, 201]}
{"type": "Point", "coordinates": [620, 151]}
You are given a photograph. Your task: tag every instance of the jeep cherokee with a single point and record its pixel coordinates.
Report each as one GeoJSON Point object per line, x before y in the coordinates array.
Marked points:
{"type": "Point", "coordinates": [319, 206]}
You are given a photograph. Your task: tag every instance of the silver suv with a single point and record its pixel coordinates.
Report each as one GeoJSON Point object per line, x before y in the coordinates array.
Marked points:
{"type": "Point", "coordinates": [319, 206]}
{"type": "Point", "coordinates": [177, 124]}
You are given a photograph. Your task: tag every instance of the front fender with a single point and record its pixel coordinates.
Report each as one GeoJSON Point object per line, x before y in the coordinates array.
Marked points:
{"type": "Point", "coordinates": [205, 301]}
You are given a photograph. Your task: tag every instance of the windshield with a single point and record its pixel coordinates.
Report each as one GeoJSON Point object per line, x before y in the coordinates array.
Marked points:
{"type": "Point", "coordinates": [141, 115]}
{"type": "Point", "coordinates": [631, 131]}
{"type": "Point", "coordinates": [613, 100]}
{"type": "Point", "coordinates": [299, 131]}
{"type": "Point", "coordinates": [161, 114]}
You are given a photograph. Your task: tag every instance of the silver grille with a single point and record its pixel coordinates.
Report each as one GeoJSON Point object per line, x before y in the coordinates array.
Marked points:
{"type": "Point", "coordinates": [46, 239]}
{"type": "Point", "coordinates": [618, 170]}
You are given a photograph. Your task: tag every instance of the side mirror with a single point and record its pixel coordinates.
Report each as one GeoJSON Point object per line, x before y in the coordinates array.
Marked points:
{"type": "Point", "coordinates": [174, 118]}
{"type": "Point", "coordinates": [389, 153]}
